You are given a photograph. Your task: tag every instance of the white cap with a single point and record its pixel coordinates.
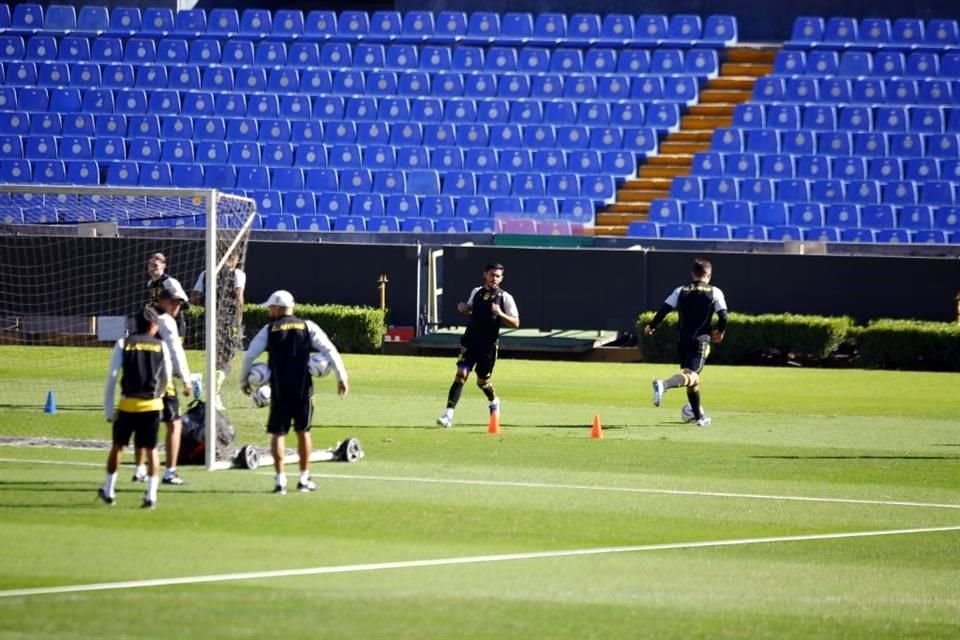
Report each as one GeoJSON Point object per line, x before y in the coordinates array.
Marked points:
{"type": "Point", "coordinates": [280, 298]}
{"type": "Point", "coordinates": [173, 290]}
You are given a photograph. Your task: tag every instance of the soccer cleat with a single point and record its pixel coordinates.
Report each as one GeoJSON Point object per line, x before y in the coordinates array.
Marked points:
{"type": "Point", "coordinates": [139, 477]}
{"type": "Point", "coordinates": [148, 504]}
{"type": "Point", "coordinates": [704, 421]}
{"type": "Point", "coordinates": [107, 500]}
{"type": "Point", "coordinates": [280, 489]}
{"type": "Point", "coordinates": [495, 406]}
{"type": "Point", "coordinates": [657, 392]}
{"type": "Point", "coordinates": [445, 421]}
{"type": "Point", "coordinates": [306, 487]}
{"type": "Point", "coordinates": [172, 478]}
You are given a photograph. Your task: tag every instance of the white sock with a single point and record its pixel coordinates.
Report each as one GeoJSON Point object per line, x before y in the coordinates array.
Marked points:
{"type": "Point", "coordinates": [141, 470]}
{"type": "Point", "coordinates": [152, 483]}
{"type": "Point", "coordinates": [110, 485]}
{"type": "Point", "coordinates": [169, 472]}
{"type": "Point", "coordinates": [304, 477]}
{"type": "Point", "coordinates": [449, 413]}
{"type": "Point", "coordinates": [281, 479]}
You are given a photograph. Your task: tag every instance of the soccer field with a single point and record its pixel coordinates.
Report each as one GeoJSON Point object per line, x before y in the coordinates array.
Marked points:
{"type": "Point", "coordinates": [819, 504]}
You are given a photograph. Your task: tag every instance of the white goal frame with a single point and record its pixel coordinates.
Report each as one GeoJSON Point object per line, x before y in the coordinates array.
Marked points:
{"type": "Point", "coordinates": [211, 197]}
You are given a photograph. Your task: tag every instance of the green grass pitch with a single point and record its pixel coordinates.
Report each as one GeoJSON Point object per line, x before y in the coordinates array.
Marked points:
{"type": "Point", "coordinates": [674, 531]}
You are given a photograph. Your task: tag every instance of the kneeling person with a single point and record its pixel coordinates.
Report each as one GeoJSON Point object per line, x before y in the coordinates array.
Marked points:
{"type": "Point", "coordinates": [289, 341]}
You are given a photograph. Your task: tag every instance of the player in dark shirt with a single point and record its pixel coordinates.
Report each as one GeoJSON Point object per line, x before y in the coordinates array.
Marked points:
{"type": "Point", "coordinates": [695, 303]}
{"type": "Point", "coordinates": [488, 307]}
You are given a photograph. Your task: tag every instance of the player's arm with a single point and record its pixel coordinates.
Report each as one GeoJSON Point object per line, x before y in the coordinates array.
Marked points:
{"type": "Point", "coordinates": [465, 307]}
{"type": "Point", "coordinates": [170, 336]}
{"type": "Point", "coordinates": [257, 346]}
{"type": "Point", "coordinates": [116, 363]}
{"type": "Point", "coordinates": [320, 342]}
{"type": "Point", "coordinates": [167, 373]}
{"type": "Point", "coordinates": [720, 306]}
{"type": "Point", "coordinates": [508, 312]}
{"type": "Point", "coordinates": [668, 305]}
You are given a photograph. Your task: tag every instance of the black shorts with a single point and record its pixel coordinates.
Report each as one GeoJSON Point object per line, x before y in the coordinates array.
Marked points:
{"type": "Point", "coordinates": [482, 357]}
{"type": "Point", "coordinates": [142, 425]}
{"type": "Point", "coordinates": [283, 413]}
{"type": "Point", "coordinates": [693, 355]}
{"type": "Point", "coordinates": [171, 408]}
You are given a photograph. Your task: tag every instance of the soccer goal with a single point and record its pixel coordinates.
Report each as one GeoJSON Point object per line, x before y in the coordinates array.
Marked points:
{"type": "Point", "coordinates": [73, 268]}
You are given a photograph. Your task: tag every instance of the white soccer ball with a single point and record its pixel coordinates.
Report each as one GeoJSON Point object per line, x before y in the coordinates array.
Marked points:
{"type": "Point", "coordinates": [686, 412]}
{"type": "Point", "coordinates": [319, 365]}
{"type": "Point", "coordinates": [259, 374]}
{"type": "Point", "coordinates": [261, 396]}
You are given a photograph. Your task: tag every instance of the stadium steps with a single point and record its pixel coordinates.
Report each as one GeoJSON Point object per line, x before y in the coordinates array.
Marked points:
{"type": "Point", "coordinates": [738, 73]}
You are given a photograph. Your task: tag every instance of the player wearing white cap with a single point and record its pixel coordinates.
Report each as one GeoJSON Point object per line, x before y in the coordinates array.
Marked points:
{"type": "Point", "coordinates": [289, 341]}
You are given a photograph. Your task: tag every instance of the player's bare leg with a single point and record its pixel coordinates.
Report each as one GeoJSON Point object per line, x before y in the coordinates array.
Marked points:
{"type": "Point", "coordinates": [277, 451]}
{"type": "Point", "coordinates": [172, 444]}
{"type": "Point", "coordinates": [304, 446]}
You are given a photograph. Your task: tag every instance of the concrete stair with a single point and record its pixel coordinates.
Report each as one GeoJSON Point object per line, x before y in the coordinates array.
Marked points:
{"type": "Point", "coordinates": [740, 68]}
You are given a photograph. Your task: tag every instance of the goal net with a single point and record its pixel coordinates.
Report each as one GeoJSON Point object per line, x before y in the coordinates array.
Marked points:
{"type": "Point", "coordinates": [75, 264]}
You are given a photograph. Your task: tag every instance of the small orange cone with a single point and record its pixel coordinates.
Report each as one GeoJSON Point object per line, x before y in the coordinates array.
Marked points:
{"type": "Point", "coordinates": [494, 426]}
{"type": "Point", "coordinates": [597, 432]}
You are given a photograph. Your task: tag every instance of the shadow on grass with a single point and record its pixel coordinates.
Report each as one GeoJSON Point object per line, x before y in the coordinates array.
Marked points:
{"type": "Point", "coordinates": [867, 457]}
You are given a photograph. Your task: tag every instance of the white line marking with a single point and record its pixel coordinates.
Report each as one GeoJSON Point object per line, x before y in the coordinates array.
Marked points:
{"type": "Point", "coordinates": [669, 492]}
{"type": "Point", "coordinates": [444, 562]}
{"type": "Point", "coordinates": [575, 487]}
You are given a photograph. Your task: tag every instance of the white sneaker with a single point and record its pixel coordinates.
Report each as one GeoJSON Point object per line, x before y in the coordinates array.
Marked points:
{"type": "Point", "coordinates": [445, 421]}
{"type": "Point", "coordinates": [658, 392]}
{"type": "Point", "coordinates": [218, 403]}
{"type": "Point", "coordinates": [704, 421]}
{"type": "Point", "coordinates": [306, 487]}
{"type": "Point", "coordinates": [495, 406]}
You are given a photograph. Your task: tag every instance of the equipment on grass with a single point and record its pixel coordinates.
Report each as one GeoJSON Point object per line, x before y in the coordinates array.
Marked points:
{"type": "Point", "coordinates": [259, 374]}
{"type": "Point", "coordinates": [686, 413]}
{"type": "Point", "coordinates": [193, 435]}
{"type": "Point", "coordinates": [319, 365]}
{"type": "Point", "coordinates": [261, 396]}
{"type": "Point", "coordinates": [74, 269]}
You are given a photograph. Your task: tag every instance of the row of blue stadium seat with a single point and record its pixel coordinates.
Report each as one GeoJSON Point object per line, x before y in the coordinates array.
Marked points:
{"type": "Point", "coordinates": [314, 155]}
{"type": "Point", "coordinates": [497, 136]}
{"type": "Point", "coordinates": [816, 117]}
{"type": "Point", "coordinates": [325, 112]}
{"type": "Point", "coordinates": [873, 32]}
{"type": "Point", "coordinates": [770, 214]}
{"type": "Point", "coordinates": [481, 26]}
{"type": "Point", "coordinates": [825, 191]}
{"type": "Point", "coordinates": [818, 167]}
{"type": "Point", "coordinates": [686, 231]}
{"type": "Point", "coordinates": [600, 188]}
{"type": "Point", "coordinates": [577, 210]}
{"type": "Point", "coordinates": [343, 55]}
{"type": "Point", "coordinates": [681, 89]}
{"type": "Point", "coordinates": [918, 64]}
{"type": "Point", "coordinates": [833, 90]}
{"type": "Point", "coordinates": [837, 143]}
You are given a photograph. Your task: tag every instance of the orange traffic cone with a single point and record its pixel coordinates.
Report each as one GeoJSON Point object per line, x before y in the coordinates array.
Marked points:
{"type": "Point", "coordinates": [597, 432]}
{"type": "Point", "coordinates": [494, 426]}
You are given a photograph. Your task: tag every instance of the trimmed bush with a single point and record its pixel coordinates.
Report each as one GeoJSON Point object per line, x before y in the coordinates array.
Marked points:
{"type": "Point", "coordinates": [909, 344]}
{"type": "Point", "coordinates": [752, 339]}
{"type": "Point", "coordinates": [352, 329]}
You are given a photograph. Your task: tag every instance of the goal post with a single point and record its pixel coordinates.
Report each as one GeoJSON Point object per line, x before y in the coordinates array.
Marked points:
{"type": "Point", "coordinates": [73, 269]}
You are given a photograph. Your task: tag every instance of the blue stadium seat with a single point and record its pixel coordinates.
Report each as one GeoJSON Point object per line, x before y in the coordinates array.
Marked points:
{"type": "Point", "coordinates": [942, 32]}
{"type": "Point", "coordinates": [32, 99]}
{"type": "Point", "coordinates": [46, 124]}
{"type": "Point", "coordinates": [721, 189]}
{"type": "Point", "coordinates": [821, 234]}
{"type": "Point", "coordinates": [41, 48]}
{"type": "Point", "coordinates": [684, 29]}
{"type": "Point", "coordinates": [223, 22]}
{"type": "Point", "coordinates": [446, 159]}
{"type": "Point", "coordinates": [785, 233]}
{"type": "Point", "coordinates": [60, 17]}
{"type": "Point", "coordinates": [303, 54]}
{"type": "Point", "coordinates": [664, 211]}
{"type": "Point", "coordinates": [840, 30]}
{"type": "Point", "coordinates": [437, 207]}
{"type": "Point", "coordinates": [287, 24]}
{"type": "Point", "coordinates": [583, 28]}
{"type": "Point", "coordinates": [783, 116]}
{"type": "Point", "coordinates": [789, 62]}
{"type": "Point", "coordinates": [750, 232]}
{"type": "Point", "coordinates": [353, 25]}
{"type": "Point", "coordinates": [928, 236]}
{"type": "Point", "coordinates": [299, 203]}
{"type": "Point", "coordinates": [93, 19]}
{"type": "Point", "coordinates": [237, 52]}
{"type": "Point", "coordinates": [109, 148]}
{"type": "Point", "coordinates": [13, 123]}
{"type": "Point", "coordinates": [617, 28]}
{"type": "Point", "coordinates": [450, 26]}
{"type": "Point", "coordinates": [313, 223]}
{"type": "Point", "coordinates": [856, 234]}
{"type": "Point", "coordinates": [878, 216]}
{"type": "Point", "coordinates": [16, 170]}
{"type": "Point", "coordinates": [27, 17]}
{"type": "Point", "coordinates": [677, 231]}
{"type": "Point", "coordinates": [390, 182]}
{"type": "Point", "coordinates": [937, 193]}
{"type": "Point", "coordinates": [642, 229]}
{"type": "Point", "coordinates": [549, 28]}
{"type": "Point", "coordinates": [735, 213]}
{"type": "Point", "coordinates": [270, 53]}
{"type": "Point", "coordinates": [401, 206]}
{"type": "Point", "coordinates": [320, 25]}
{"type": "Point", "coordinates": [806, 214]}
{"type": "Point", "coordinates": [334, 204]}
{"type": "Point", "coordinates": [12, 47]}
{"type": "Point", "coordinates": [651, 29]}
{"type": "Point", "coordinates": [700, 212]}
{"type": "Point", "coordinates": [892, 236]}
{"type": "Point", "coordinates": [874, 31]}
{"type": "Point", "coordinates": [483, 27]}
{"type": "Point", "coordinates": [74, 49]}
{"type": "Point", "coordinates": [713, 232]}
{"type": "Point", "coordinates": [769, 89]}
{"type": "Point", "coordinates": [763, 141]}
{"type": "Point", "coordinates": [720, 29]}
{"type": "Point", "coordinates": [256, 23]}
{"type": "Point", "coordinates": [802, 90]}
{"type": "Point", "coordinates": [367, 204]}
{"type": "Point", "coordinates": [770, 214]}
{"type": "Point", "coordinates": [417, 26]}
{"type": "Point", "coordinates": [85, 172]}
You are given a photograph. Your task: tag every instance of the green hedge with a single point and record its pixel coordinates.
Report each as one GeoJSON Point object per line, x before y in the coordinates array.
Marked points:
{"type": "Point", "coordinates": [909, 344]}
{"type": "Point", "coordinates": [352, 329]}
{"type": "Point", "coordinates": [751, 339]}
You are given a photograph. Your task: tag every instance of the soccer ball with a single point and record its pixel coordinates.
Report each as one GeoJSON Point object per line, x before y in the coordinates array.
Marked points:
{"type": "Point", "coordinates": [261, 396]}
{"type": "Point", "coordinates": [319, 365]}
{"type": "Point", "coordinates": [686, 412]}
{"type": "Point", "coordinates": [259, 374]}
